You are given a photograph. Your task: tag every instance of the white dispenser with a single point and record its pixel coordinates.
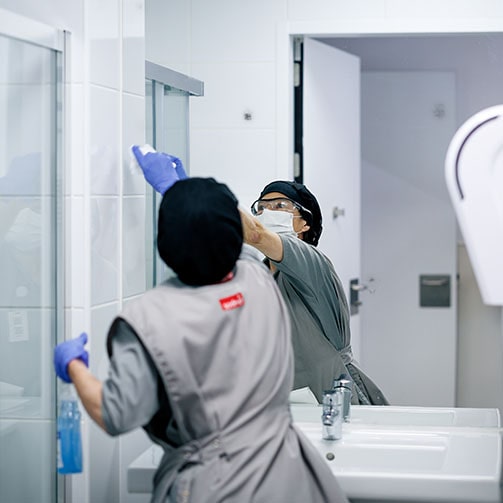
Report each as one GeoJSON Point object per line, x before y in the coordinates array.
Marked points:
{"type": "Point", "coordinates": [474, 175]}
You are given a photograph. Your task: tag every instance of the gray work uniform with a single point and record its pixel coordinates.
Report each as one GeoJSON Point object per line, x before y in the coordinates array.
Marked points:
{"type": "Point", "coordinates": [216, 363]}
{"type": "Point", "coordinates": [319, 314]}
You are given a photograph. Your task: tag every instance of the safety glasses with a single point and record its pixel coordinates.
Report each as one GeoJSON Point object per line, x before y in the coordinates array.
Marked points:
{"type": "Point", "coordinates": [277, 204]}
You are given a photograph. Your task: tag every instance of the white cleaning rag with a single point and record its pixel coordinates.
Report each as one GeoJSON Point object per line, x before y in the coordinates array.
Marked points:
{"type": "Point", "coordinates": [134, 167]}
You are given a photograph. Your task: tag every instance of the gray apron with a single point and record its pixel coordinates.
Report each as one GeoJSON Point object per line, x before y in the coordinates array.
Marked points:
{"type": "Point", "coordinates": [224, 356]}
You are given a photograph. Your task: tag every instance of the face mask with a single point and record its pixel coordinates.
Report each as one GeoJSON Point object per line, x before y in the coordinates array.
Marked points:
{"type": "Point", "coordinates": [280, 222]}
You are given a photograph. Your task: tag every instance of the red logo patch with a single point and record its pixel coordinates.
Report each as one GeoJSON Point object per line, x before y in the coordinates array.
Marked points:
{"type": "Point", "coordinates": [232, 302]}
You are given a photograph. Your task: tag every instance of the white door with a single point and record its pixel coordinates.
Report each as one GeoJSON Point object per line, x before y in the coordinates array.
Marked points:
{"type": "Point", "coordinates": [331, 143]}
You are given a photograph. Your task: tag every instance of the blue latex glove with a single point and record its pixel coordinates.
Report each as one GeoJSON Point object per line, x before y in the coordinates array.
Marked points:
{"type": "Point", "coordinates": [160, 170]}
{"type": "Point", "coordinates": [67, 351]}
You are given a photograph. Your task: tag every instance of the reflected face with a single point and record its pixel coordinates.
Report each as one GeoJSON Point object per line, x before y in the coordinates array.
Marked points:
{"type": "Point", "coordinates": [276, 201]}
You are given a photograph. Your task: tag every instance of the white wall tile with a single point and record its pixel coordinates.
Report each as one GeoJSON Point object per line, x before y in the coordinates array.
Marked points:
{"type": "Point", "coordinates": [337, 9]}
{"type": "Point", "coordinates": [75, 38]}
{"type": "Point", "coordinates": [249, 88]}
{"type": "Point", "coordinates": [133, 133]}
{"type": "Point", "coordinates": [167, 40]}
{"type": "Point", "coordinates": [101, 320]}
{"type": "Point", "coordinates": [445, 9]}
{"type": "Point", "coordinates": [104, 249]}
{"type": "Point", "coordinates": [103, 37]}
{"type": "Point", "coordinates": [104, 466]}
{"type": "Point", "coordinates": [73, 169]}
{"type": "Point", "coordinates": [244, 160]}
{"type": "Point", "coordinates": [104, 134]}
{"type": "Point", "coordinates": [75, 252]}
{"type": "Point", "coordinates": [133, 46]}
{"type": "Point", "coordinates": [133, 246]}
{"type": "Point", "coordinates": [104, 450]}
{"type": "Point", "coordinates": [244, 31]}
{"type": "Point", "coordinates": [74, 323]}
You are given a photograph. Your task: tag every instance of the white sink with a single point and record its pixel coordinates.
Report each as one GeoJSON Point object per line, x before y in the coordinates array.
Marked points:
{"type": "Point", "coordinates": [396, 454]}
{"type": "Point", "coordinates": [140, 473]}
{"type": "Point", "coordinates": [372, 463]}
{"type": "Point", "coordinates": [456, 465]}
{"type": "Point", "coordinates": [408, 416]}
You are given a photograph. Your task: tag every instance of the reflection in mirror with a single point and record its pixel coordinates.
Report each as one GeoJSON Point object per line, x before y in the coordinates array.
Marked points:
{"type": "Point", "coordinates": [415, 92]}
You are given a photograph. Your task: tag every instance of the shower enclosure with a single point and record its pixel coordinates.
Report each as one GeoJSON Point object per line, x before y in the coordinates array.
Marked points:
{"type": "Point", "coordinates": [167, 96]}
{"type": "Point", "coordinates": [31, 59]}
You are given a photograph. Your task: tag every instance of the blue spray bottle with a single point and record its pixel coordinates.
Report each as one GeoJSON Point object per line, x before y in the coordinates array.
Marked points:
{"type": "Point", "coordinates": [69, 436]}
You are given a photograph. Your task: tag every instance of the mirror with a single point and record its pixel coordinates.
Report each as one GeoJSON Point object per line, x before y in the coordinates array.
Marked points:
{"type": "Point", "coordinates": [415, 92]}
{"type": "Point", "coordinates": [469, 62]}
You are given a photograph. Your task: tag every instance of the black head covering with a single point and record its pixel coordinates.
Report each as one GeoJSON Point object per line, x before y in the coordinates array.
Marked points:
{"type": "Point", "coordinates": [299, 193]}
{"type": "Point", "coordinates": [199, 233]}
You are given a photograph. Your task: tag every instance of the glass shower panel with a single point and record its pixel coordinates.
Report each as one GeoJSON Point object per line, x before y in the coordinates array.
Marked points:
{"type": "Point", "coordinates": [174, 136]}
{"type": "Point", "coordinates": [167, 120]}
{"type": "Point", "coordinates": [29, 97]}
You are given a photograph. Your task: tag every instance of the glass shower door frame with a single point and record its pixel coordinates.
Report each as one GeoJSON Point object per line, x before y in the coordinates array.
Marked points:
{"type": "Point", "coordinates": [163, 82]}
{"type": "Point", "coordinates": [24, 30]}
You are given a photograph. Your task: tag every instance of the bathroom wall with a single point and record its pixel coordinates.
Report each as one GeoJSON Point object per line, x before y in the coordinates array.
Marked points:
{"type": "Point", "coordinates": [104, 200]}
{"type": "Point", "coordinates": [241, 52]}
{"type": "Point", "coordinates": [474, 317]}
{"type": "Point", "coordinates": [408, 229]}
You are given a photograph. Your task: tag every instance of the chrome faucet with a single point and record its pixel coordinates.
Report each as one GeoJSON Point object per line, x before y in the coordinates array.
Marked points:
{"type": "Point", "coordinates": [331, 417]}
{"type": "Point", "coordinates": [343, 386]}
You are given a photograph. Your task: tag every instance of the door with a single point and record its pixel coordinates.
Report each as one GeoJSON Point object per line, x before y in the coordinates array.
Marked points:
{"type": "Point", "coordinates": [331, 155]}
{"type": "Point", "coordinates": [30, 262]}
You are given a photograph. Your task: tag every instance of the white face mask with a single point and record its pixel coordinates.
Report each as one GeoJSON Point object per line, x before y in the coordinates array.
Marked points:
{"type": "Point", "coordinates": [280, 222]}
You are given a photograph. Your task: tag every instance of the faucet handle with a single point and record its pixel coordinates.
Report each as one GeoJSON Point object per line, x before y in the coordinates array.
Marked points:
{"type": "Point", "coordinates": [329, 401]}
{"type": "Point", "coordinates": [331, 417]}
{"type": "Point", "coordinates": [343, 381]}
{"type": "Point", "coordinates": [344, 388]}
{"type": "Point", "coordinates": [328, 396]}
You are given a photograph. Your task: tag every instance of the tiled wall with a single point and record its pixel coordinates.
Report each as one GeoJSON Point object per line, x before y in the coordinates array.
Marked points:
{"type": "Point", "coordinates": [115, 206]}
{"type": "Point", "coordinates": [104, 200]}
{"type": "Point", "coordinates": [235, 56]}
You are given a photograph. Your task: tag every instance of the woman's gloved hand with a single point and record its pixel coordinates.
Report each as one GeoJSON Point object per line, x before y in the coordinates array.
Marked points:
{"type": "Point", "coordinates": [67, 351]}
{"type": "Point", "coordinates": [160, 170]}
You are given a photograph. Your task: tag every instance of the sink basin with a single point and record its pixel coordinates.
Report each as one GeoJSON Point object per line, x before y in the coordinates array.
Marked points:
{"type": "Point", "coordinates": [419, 465]}
{"type": "Point", "coordinates": [397, 464]}
{"type": "Point", "coordinates": [396, 454]}
{"type": "Point", "coordinates": [408, 416]}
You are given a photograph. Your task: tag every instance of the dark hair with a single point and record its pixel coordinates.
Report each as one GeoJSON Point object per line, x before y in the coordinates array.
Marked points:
{"type": "Point", "coordinates": [299, 193]}
{"type": "Point", "coordinates": [200, 234]}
